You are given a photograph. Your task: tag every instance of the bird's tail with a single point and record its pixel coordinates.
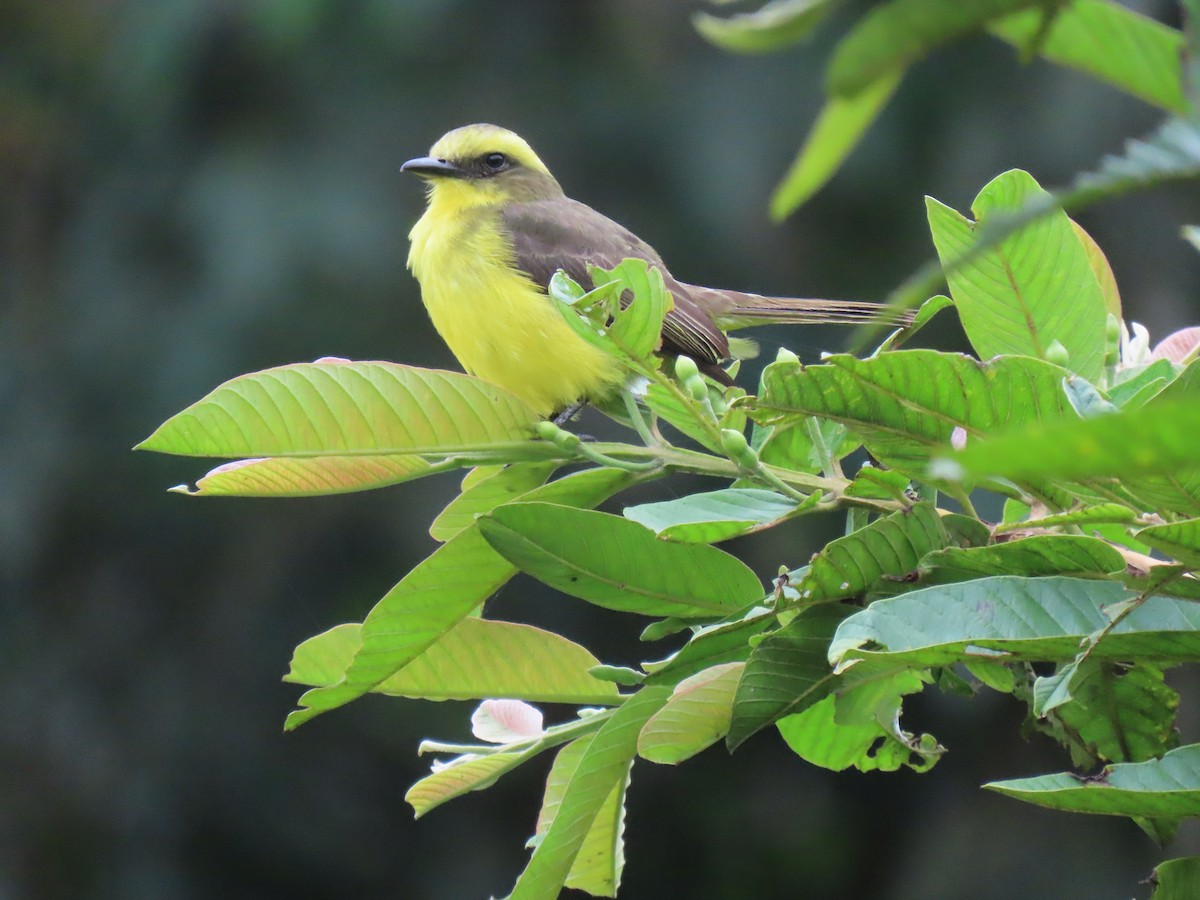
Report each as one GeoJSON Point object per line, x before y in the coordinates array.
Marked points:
{"type": "Point", "coordinates": [742, 310]}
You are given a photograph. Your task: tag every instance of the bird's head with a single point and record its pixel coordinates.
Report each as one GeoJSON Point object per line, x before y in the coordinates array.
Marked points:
{"type": "Point", "coordinates": [479, 165]}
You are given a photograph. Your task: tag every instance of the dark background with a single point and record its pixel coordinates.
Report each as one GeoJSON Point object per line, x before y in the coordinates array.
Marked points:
{"type": "Point", "coordinates": [192, 189]}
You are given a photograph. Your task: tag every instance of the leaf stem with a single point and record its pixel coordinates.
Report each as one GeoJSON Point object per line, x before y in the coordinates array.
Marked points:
{"type": "Point", "coordinates": [638, 420]}
{"type": "Point", "coordinates": [829, 463]}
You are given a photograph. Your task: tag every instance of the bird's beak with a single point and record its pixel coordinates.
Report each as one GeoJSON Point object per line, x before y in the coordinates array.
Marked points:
{"type": "Point", "coordinates": [428, 167]}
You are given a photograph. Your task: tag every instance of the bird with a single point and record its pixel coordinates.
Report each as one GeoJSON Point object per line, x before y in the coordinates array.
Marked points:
{"type": "Point", "coordinates": [496, 228]}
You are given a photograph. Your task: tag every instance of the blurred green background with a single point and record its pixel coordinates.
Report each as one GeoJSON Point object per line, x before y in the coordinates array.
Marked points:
{"type": "Point", "coordinates": [192, 189]}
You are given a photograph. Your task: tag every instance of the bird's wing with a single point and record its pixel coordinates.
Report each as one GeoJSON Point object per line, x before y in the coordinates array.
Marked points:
{"type": "Point", "coordinates": [548, 235]}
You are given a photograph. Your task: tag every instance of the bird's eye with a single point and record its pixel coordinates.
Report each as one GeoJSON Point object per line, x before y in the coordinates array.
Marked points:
{"type": "Point", "coordinates": [495, 161]}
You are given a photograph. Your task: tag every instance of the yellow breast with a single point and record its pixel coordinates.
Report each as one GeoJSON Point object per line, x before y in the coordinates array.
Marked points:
{"type": "Point", "coordinates": [497, 322]}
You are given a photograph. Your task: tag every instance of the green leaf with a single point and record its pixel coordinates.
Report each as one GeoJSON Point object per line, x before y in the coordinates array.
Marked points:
{"type": "Point", "coordinates": [441, 591]}
{"type": "Point", "coordinates": [474, 660]}
{"type": "Point", "coordinates": [604, 764]}
{"type": "Point", "coordinates": [1131, 383]}
{"type": "Point", "coordinates": [836, 132]}
{"type": "Point", "coordinates": [778, 24]}
{"type": "Point", "coordinates": [484, 496]}
{"type": "Point", "coordinates": [1024, 618]}
{"type": "Point", "coordinates": [818, 735]}
{"type": "Point", "coordinates": [664, 403]}
{"type": "Point", "coordinates": [585, 488]}
{"type": "Point", "coordinates": [997, 676]}
{"type": "Point", "coordinates": [460, 776]}
{"type": "Point", "coordinates": [1121, 714]}
{"type": "Point", "coordinates": [1034, 287]}
{"type": "Point", "coordinates": [1103, 271]}
{"type": "Point", "coordinates": [893, 35]}
{"type": "Point", "coordinates": [1108, 42]}
{"type": "Point", "coordinates": [891, 546]}
{"type": "Point", "coordinates": [1167, 787]}
{"type": "Point", "coordinates": [881, 484]}
{"type": "Point", "coordinates": [695, 718]}
{"type": "Point", "coordinates": [1171, 153]}
{"type": "Point", "coordinates": [925, 312]}
{"type": "Point", "coordinates": [601, 859]}
{"type": "Point", "coordinates": [616, 563]}
{"type": "Point", "coordinates": [714, 516]}
{"type": "Point", "coordinates": [1177, 879]}
{"type": "Point", "coordinates": [637, 328]}
{"type": "Point", "coordinates": [1052, 691]}
{"type": "Point", "coordinates": [905, 405]}
{"type": "Point", "coordinates": [709, 647]}
{"type": "Point", "coordinates": [791, 446]}
{"type": "Point", "coordinates": [787, 672]}
{"type": "Point", "coordinates": [587, 313]}
{"type": "Point", "coordinates": [1152, 450]}
{"type": "Point", "coordinates": [1179, 540]}
{"type": "Point", "coordinates": [1099, 513]}
{"type": "Point", "coordinates": [345, 408]}
{"type": "Point", "coordinates": [295, 477]}
{"type": "Point", "coordinates": [1037, 555]}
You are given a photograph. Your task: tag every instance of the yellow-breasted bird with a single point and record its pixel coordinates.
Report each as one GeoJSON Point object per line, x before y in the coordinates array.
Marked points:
{"type": "Point", "coordinates": [498, 226]}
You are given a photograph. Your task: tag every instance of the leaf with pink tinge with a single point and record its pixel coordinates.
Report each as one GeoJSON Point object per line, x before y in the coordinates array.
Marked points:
{"type": "Point", "coordinates": [696, 716]}
{"type": "Point", "coordinates": [506, 721]}
{"type": "Point", "coordinates": [297, 477]}
{"type": "Point", "coordinates": [1179, 345]}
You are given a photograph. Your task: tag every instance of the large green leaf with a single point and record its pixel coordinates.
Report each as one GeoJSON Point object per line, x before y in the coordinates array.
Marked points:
{"type": "Point", "coordinates": [888, 547]}
{"type": "Point", "coordinates": [836, 132]}
{"type": "Point", "coordinates": [695, 718]}
{"type": "Point", "coordinates": [474, 660]}
{"type": "Point", "coordinates": [778, 24]}
{"type": "Point", "coordinates": [307, 477]}
{"type": "Point", "coordinates": [1121, 714]}
{"type": "Point", "coordinates": [1035, 287]}
{"type": "Point", "coordinates": [603, 765]}
{"type": "Point", "coordinates": [905, 405]}
{"type": "Point", "coordinates": [601, 858]}
{"type": "Point", "coordinates": [1022, 618]}
{"type": "Point", "coordinates": [892, 35]}
{"type": "Point", "coordinates": [787, 672]}
{"type": "Point", "coordinates": [427, 602]}
{"type": "Point", "coordinates": [616, 563]}
{"type": "Point", "coordinates": [436, 595]}
{"type": "Point", "coordinates": [1153, 452]}
{"type": "Point", "coordinates": [344, 408]}
{"type": "Point", "coordinates": [1158, 788]}
{"type": "Point", "coordinates": [1109, 42]}
{"type": "Point", "coordinates": [1041, 554]}
{"type": "Point", "coordinates": [1170, 154]}
{"type": "Point", "coordinates": [714, 516]}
